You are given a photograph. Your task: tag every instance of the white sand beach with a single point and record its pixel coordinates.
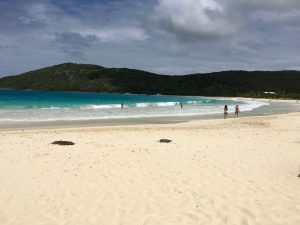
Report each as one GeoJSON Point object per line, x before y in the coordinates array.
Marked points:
{"type": "Point", "coordinates": [235, 171]}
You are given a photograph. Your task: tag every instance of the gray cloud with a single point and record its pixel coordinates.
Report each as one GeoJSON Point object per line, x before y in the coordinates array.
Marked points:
{"type": "Point", "coordinates": [196, 19]}
{"type": "Point", "coordinates": [202, 19]}
{"type": "Point", "coordinates": [164, 36]}
{"type": "Point", "coordinates": [73, 44]}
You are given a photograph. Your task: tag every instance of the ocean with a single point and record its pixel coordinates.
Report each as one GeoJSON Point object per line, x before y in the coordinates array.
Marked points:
{"type": "Point", "coordinates": [26, 106]}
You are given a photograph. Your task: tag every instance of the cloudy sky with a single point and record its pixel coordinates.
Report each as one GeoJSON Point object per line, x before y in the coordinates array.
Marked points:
{"type": "Point", "coordinates": [162, 36]}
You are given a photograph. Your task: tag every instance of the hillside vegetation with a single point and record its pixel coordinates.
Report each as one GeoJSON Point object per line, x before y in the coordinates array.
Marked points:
{"type": "Point", "coordinates": [93, 78]}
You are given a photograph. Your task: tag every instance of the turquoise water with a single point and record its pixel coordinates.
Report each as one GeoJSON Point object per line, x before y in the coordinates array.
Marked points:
{"type": "Point", "coordinates": [48, 106]}
{"type": "Point", "coordinates": [10, 99]}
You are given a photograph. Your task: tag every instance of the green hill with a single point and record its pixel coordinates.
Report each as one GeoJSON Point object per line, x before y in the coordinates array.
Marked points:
{"type": "Point", "coordinates": [93, 78]}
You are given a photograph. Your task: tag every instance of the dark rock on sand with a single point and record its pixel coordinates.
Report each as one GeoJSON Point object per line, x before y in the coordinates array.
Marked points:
{"type": "Point", "coordinates": [165, 141]}
{"type": "Point", "coordinates": [298, 175]}
{"type": "Point", "coordinates": [63, 143]}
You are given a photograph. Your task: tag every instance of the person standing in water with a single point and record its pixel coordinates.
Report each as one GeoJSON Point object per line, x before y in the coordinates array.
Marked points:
{"type": "Point", "coordinates": [237, 110]}
{"type": "Point", "coordinates": [225, 112]}
{"type": "Point", "coordinates": [122, 105]}
{"type": "Point", "coordinates": [181, 105]}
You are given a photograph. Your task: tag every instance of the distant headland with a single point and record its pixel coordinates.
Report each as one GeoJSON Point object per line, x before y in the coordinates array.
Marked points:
{"type": "Point", "coordinates": [93, 78]}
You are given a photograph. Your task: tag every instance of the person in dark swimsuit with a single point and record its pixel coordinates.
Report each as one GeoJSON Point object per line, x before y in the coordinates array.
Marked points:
{"type": "Point", "coordinates": [225, 112]}
{"type": "Point", "coordinates": [237, 110]}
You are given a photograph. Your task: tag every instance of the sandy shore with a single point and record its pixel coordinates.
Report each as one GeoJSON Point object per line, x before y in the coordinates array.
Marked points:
{"type": "Point", "coordinates": [236, 171]}
{"type": "Point", "coordinates": [291, 101]}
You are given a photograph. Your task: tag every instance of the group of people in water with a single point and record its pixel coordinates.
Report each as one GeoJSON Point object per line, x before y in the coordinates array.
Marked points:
{"type": "Point", "coordinates": [236, 112]}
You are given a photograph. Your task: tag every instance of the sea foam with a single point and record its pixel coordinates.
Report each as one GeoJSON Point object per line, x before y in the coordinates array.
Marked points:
{"type": "Point", "coordinates": [66, 106]}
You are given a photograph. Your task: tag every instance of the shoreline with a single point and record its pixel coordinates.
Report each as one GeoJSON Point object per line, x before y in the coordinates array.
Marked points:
{"type": "Point", "coordinates": [274, 108]}
{"type": "Point", "coordinates": [279, 100]}
{"type": "Point", "coordinates": [140, 124]}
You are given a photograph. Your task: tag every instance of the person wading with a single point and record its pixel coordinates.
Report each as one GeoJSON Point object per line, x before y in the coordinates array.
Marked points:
{"type": "Point", "coordinates": [237, 110]}
{"type": "Point", "coordinates": [225, 112]}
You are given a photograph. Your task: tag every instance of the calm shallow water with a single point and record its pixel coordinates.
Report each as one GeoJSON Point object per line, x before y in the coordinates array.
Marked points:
{"type": "Point", "coordinates": [26, 106]}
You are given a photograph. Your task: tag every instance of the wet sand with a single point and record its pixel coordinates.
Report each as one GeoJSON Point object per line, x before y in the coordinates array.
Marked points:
{"type": "Point", "coordinates": [275, 107]}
